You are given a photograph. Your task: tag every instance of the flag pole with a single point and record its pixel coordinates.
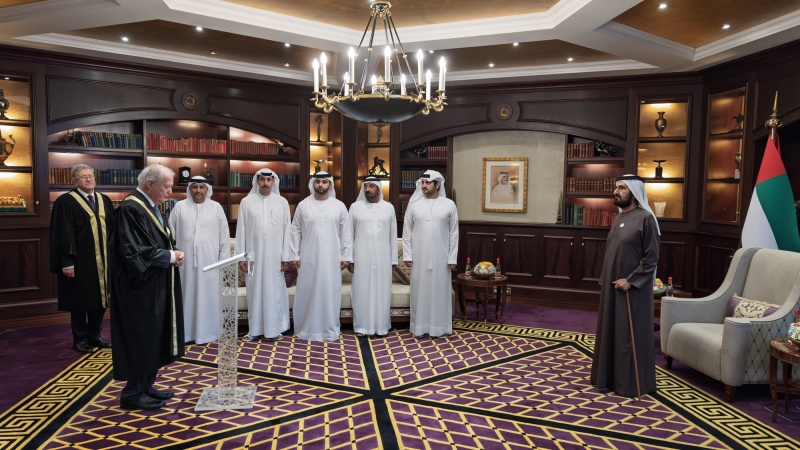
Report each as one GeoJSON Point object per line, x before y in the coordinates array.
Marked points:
{"type": "Point", "coordinates": [633, 349]}
{"type": "Point", "coordinates": [773, 123]}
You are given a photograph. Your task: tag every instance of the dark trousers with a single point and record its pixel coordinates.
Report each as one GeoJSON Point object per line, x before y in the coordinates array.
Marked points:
{"type": "Point", "coordinates": [135, 388]}
{"type": "Point", "coordinates": [86, 325]}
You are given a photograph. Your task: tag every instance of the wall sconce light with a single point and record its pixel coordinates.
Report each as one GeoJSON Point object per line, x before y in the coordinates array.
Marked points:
{"type": "Point", "coordinates": [659, 169]}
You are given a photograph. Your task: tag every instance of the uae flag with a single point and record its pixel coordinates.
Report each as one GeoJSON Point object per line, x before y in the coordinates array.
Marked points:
{"type": "Point", "coordinates": [771, 221]}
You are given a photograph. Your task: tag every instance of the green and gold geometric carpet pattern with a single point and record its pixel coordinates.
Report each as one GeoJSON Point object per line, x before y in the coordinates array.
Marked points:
{"type": "Point", "coordinates": [499, 387]}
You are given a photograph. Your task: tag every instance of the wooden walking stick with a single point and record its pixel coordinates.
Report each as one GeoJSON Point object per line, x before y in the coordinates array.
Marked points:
{"type": "Point", "coordinates": [633, 348]}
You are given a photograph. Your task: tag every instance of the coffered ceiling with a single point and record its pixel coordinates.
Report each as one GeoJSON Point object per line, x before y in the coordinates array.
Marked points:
{"type": "Point", "coordinates": [277, 39]}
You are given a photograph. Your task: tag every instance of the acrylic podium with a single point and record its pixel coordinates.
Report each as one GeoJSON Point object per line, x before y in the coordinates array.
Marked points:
{"type": "Point", "coordinates": [227, 395]}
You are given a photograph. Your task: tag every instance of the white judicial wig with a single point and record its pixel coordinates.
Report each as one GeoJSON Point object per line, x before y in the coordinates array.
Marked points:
{"type": "Point", "coordinates": [371, 180]}
{"type": "Point", "coordinates": [428, 175]}
{"type": "Point", "coordinates": [198, 179]}
{"type": "Point", "coordinates": [324, 176]}
{"type": "Point", "coordinates": [266, 172]}
{"type": "Point", "coordinates": [636, 186]}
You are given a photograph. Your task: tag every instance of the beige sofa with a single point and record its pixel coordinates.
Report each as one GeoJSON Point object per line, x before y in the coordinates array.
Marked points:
{"type": "Point", "coordinates": [401, 294]}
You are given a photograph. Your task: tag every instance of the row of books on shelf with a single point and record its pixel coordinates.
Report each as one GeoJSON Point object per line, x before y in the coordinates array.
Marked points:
{"type": "Point", "coordinates": [436, 152]}
{"type": "Point", "coordinates": [160, 142]}
{"type": "Point", "coordinates": [104, 139]}
{"type": "Point", "coordinates": [403, 206]}
{"type": "Point", "coordinates": [604, 185]}
{"type": "Point", "coordinates": [583, 215]}
{"type": "Point", "coordinates": [234, 211]}
{"type": "Point", "coordinates": [408, 178]}
{"type": "Point", "coordinates": [239, 179]}
{"type": "Point", "coordinates": [584, 150]}
{"type": "Point", "coordinates": [106, 177]}
{"type": "Point", "coordinates": [255, 148]}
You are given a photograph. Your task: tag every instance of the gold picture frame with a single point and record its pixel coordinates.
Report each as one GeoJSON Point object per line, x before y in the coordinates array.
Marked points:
{"type": "Point", "coordinates": [505, 185]}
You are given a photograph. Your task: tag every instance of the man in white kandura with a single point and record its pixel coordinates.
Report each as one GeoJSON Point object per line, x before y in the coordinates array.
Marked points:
{"type": "Point", "coordinates": [201, 231]}
{"type": "Point", "coordinates": [504, 191]}
{"type": "Point", "coordinates": [321, 248]}
{"type": "Point", "coordinates": [374, 257]}
{"type": "Point", "coordinates": [430, 241]}
{"type": "Point", "coordinates": [263, 231]}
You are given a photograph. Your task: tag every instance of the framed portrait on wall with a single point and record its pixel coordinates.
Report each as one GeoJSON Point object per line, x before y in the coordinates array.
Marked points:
{"type": "Point", "coordinates": [505, 185]}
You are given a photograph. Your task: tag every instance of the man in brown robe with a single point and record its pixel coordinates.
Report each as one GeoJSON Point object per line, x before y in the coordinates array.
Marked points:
{"type": "Point", "coordinates": [629, 266]}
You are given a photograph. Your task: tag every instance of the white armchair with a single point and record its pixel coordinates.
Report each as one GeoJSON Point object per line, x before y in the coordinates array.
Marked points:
{"type": "Point", "coordinates": [733, 350]}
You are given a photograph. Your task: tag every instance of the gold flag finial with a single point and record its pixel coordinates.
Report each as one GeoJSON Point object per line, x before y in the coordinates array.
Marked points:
{"type": "Point", "coordinates": [773, 123]}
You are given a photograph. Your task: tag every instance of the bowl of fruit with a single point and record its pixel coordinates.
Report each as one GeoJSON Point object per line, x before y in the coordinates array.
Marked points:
{"type": "Point", "coordinates": [484, 270]}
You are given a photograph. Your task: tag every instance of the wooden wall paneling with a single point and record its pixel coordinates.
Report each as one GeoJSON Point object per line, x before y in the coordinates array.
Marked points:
{"type": "Point", "coordinates": [672, 262]}
{"type": "Point", "coordinates": [788, 100]}
{"type": "Point", "coordinates": [519, 255]}
{"type": "Point", "coordinates": [603, 115]}
{"type": "Point", "coordinates": [711, 264]}
{"type": "Point", "coordinates": [480, 246]}
{"type": "Point", "coordinates": [558, 257]}
{"type": "Point", "coordinates": [456, 118]}
{"type": "Point", "coordinates": [67, 99]}
{"type": "Point", "coordinates": [271, 118]}
{"type": "Point", "coordinates": [26, 274]}
{"type": "Point", "coordinates": [593, 250]}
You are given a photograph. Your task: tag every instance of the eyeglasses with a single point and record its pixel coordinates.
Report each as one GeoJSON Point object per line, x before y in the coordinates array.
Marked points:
{"type": "Point", "coordinates": [85, 178]}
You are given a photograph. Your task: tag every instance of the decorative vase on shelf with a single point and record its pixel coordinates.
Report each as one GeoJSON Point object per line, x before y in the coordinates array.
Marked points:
{"type": "Point", "coordinates": [659, 169]}
{"type": "Point", "coordinates": [3, 105]}
{"type": "Point", "coordinates": [4, 153]}
{"type": "Point", "coordinates": [661, 123]}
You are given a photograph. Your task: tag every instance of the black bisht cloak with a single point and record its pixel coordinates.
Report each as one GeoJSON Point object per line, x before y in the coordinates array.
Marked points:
{"type": "Point", "coordinates": [72, 244]}
{"type": "Point", "coordinates": [146, 299]}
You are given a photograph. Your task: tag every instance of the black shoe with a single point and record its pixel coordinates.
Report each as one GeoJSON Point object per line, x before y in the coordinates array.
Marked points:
{"type": "Point", "coordinates": [82, 347]}
{"type": "Point", "coordinates": [144, 402]}
{"type": "Point", "coordinates": [160, 395]}
{"type": "Point", "coordinates": [100, 343]}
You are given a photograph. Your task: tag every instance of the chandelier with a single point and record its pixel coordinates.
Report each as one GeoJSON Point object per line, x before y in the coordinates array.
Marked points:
{"type": "Point", "coordinates": [381, 104]}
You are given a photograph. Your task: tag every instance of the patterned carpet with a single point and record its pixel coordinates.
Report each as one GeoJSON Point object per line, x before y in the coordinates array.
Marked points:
{"type": "Point", "coordinates": [501, 387]}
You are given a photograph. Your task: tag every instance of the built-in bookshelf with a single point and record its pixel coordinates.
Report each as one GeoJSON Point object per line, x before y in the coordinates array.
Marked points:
{"type": "Point", "coordinates": [723, 169]}
{"type": "Point", "coordinates": [590, 172]}
{"type": "Point", "coordinates": [17, 195]}
{"type": "Point", "coordinates": [226, 156]}
{"type": "Point", "coordinates": [434, 155]}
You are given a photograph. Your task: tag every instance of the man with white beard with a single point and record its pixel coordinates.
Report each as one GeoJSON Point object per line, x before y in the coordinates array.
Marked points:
{"type": "Point", "coordinates": [430, 248]}
{"type": "Point", "coordinates": [321, 248]}
{"type": "Point", "coordinates": [263, 232]}
{"type": "Point", "coordinates": [374, 257]}
{"type": "Point", "coordinates": [201, 231]}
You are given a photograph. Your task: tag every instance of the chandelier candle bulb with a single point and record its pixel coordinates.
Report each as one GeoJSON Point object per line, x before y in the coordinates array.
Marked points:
{"type": "Point", "coordinates": [346, 86]}
{"type": "Point", "coordinates": [387, 63]}
{"type": "Point", "coordinates": [352, 55]}
{"type": "Point", "coordinates": [419, 66]}
{"type": "Point", "coordinates": [428, 85]}
{"type": "Point", "coordinates": [316, 75]}
{"type": "Point", "coordinates": [403, 84]}
{"type": "Point", "coordinates": [324, 60]}
{"type": "Point", "coordinates": [441, 74]}
{"type": "Point", "coordinates": [444, 77]}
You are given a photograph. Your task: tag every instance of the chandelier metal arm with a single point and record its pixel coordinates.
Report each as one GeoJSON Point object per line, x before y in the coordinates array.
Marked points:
{"type": "Point", "coordinates": [403, 51]}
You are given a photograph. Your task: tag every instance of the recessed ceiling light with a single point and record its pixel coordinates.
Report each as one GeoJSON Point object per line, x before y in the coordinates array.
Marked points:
{"type": "Point", "coordinates": [213, 52]}
{"type": "Point", "coordinates": [286, 65]}
{"type": "Point", "coordinates": [491, 64]}
{"type": "Point", "coordinates": [124, 38]}
{"type": "Point", "coordinates": [516, 44]}
{"type": "Point", "coordinates": [570, 59]}
{"type": "Point", "coordinates": [7, 78]}
{"type": "Point", "coordinates": [430, 51]}
{"type": "Point", "coordinates": [198, 28]}
{"type": "Point", "coordinates": [287, 44]}
{"type": "Point", "coordinates": [662, 6]}
{"type": "Point", "coordinates": [726, 26]}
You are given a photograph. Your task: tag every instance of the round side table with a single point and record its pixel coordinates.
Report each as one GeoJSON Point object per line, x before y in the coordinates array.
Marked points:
{"type": "Point", "coordinates": [784, 351]}
{"type": "Point", "coordinates": [500, 283]}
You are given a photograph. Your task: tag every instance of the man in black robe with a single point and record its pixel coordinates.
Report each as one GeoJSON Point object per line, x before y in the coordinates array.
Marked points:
{"type": "Point", "coordinates": [79, 227]}
{"type": "Point", "coordinates": [629, 266]}
{"type": "Point", "coordinates": [146, 311]}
